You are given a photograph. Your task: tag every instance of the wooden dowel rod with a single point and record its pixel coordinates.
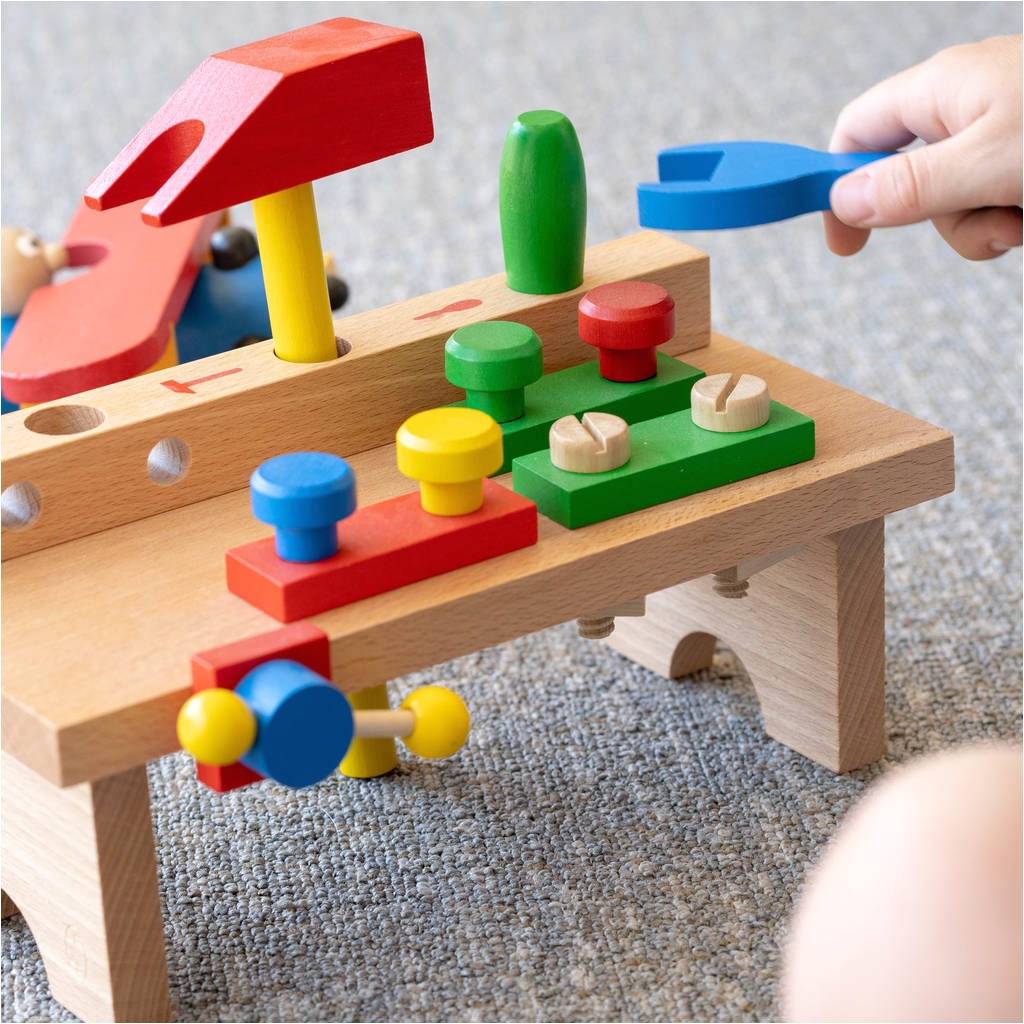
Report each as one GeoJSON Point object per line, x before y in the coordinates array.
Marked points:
{"type": "Point", "coordinates": [379, 724]}
{"type": "Point", "coordinates": [293, 273]}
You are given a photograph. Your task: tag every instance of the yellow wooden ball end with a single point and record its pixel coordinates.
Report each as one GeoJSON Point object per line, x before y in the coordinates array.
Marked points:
{"type": "Point", "coordinates": [216, 726]}
{"type": "Point", "coordinates": [449, 451]}
{"type": "Point", "coordinates": [442, 721]}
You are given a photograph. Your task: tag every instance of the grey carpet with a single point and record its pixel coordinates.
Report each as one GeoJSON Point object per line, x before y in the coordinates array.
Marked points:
{"type": "Point", "coordinates": [609, 845]}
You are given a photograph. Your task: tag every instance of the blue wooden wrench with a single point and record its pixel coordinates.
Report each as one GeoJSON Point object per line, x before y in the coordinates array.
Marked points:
{"type": "Point", "coordinates": [738, 184]}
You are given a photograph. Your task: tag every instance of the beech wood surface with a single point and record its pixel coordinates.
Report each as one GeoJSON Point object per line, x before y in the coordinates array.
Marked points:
{"type": "Point", "coordinates": [98, 632]}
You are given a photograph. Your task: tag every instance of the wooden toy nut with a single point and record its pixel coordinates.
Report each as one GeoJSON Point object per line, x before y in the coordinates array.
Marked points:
{"type": "Point", "coordinates": [597, 444]}
{"type": "Point", "coordinates": [449, 451]}
{"type": "Point", "coordinates": [729, 402]}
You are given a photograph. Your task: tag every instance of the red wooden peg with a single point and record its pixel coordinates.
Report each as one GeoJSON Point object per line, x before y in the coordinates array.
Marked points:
{"type": "Point", "coordinates": [627, 321]}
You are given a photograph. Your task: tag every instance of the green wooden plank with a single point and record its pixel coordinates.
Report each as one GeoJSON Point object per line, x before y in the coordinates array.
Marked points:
{"type": "Point", "coordinates": [581, 389]}
{"type": "Point", "coordinates": [670, 458]}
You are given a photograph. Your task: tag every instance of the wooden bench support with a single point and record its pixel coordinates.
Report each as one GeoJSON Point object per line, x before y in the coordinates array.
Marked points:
{"type": "Point", "coordinates": [811, 633]}
{"type": "Point", "coordinates": [80, 865]}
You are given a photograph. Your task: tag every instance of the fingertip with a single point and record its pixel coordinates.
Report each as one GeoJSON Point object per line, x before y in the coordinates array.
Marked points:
{"type": "Point", "coordinates": [842, 239]}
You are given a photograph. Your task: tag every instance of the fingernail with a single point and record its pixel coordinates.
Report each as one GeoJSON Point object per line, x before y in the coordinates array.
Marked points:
{"type": "Point", "coordinates": [1000, 247]}
{"type": "Point", "coordinates": [853, 198]}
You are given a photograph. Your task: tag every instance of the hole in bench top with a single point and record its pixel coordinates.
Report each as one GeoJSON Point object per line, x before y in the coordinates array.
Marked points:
{"type": "Point", "coordinates": [64, 419]}
{"type": "Point", "coordinates": [21, 504]}
{"type": "Point", "coordinates": [168, 461]}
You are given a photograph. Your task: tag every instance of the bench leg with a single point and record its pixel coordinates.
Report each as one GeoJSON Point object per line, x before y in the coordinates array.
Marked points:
{"type": "Point", "coordinates": [810, 632]}
{"type": "Point", "coordinates": [80, 864]}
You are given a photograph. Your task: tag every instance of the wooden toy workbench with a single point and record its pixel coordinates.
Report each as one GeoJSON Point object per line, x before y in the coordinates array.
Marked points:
{"type": "Point", "coordinates": [120, 579]}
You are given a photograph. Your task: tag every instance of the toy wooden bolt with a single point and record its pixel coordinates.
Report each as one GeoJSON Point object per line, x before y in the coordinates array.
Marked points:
{"type": "Point", "coordinates": [542, 199]}
{"type": "Point", "coordinates": [449, 451]}
{"type": "Point", "coordinates": [596, 444]}
{"type": "Point", "coordinates": [261, 122]}
{"type": "Point", "coordinates": [304, 495]}
{"type": "Point", "coordinates": [369, 756]}
{"type": "Point", "coordinates": [730, 403]}
{"type": "Point", "coordinates": [626, 322]}
{"type": "Point", "coordinates": [494, 361]}
{"type": "Point", "coordinates": [600, 624]}
{"type": "Point", "coordinates": [734, 582]}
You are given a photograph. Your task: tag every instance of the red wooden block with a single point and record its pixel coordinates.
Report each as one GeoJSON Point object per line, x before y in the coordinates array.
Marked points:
{"type": "Point", "coordinates": [274, 114]}
{"type": "Point", "coordinates": [627, 321]}
{"type": "Point", "coordinates": [222, 779]}
{"type": "Point", "coordinates": [226, 666]}
{"type": "Point", "coordinates": [113, 321]}
{"type": "Point", "coordinates": [382, 547]}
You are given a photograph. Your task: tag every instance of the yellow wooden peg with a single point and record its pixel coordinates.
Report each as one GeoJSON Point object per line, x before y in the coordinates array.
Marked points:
{"type": "Point", "coordinates": [293, 273]}
{"type": "Point", "coordinates": [449, 451]}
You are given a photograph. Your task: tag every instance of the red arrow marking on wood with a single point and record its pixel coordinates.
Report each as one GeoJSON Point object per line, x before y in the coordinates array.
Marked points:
{"type": "Point", "coordinates": [185, 388]}
{"type": "Point", "coordinates": [452, 307]}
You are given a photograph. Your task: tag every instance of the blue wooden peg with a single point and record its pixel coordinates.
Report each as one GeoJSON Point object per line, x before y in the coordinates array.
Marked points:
{"type": "Point", "coordinates": [303, 495]}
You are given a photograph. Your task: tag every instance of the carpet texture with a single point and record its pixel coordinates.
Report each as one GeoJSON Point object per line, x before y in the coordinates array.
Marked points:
{"type": "Point", "coordinates": [609, 845]}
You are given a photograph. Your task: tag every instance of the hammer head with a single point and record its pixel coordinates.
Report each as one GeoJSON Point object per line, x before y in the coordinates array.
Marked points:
{"type": "Point", "coordinates": [274, 114]}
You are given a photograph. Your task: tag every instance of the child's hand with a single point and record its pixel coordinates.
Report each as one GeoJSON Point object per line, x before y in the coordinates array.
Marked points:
{"type": "Point", "coordinates": [966, 103]}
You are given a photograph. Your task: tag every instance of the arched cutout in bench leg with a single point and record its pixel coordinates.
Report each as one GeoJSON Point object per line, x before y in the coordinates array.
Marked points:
{"type": "Point", "coordinates": [810, 632]}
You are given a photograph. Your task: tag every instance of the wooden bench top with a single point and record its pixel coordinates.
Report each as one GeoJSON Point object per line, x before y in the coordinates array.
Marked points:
{"type": "Point", "coordinates": [98, 632]}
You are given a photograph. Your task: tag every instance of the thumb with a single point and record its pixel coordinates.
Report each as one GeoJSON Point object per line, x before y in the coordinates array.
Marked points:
{"type": "Point", "coordinates": [912, 186]}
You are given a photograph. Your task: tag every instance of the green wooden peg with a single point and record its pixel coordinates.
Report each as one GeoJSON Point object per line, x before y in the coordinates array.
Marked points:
{"type": "Point", "coordinates": [494, 361]}
{"type": "Point", "coordinates": [542, 198]}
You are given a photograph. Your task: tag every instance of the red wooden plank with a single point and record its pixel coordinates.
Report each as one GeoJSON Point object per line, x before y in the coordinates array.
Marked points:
{"type": "Point", "coordinates": [382, 547]}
